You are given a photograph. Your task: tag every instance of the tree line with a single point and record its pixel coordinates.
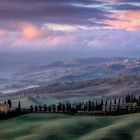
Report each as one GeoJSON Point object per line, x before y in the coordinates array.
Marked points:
{"type": "Point", "coordinates": [87, 106]}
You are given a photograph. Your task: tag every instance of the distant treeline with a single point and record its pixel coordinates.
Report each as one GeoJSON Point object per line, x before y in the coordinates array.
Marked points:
{"type": "Point", "coordinates": [117, 106]}
{"type": "Point", "coordinates": [129, 103]}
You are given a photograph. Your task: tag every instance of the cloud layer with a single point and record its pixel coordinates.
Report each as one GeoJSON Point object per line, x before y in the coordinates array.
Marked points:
{"type": "Point", "coordinates": [69, 25]}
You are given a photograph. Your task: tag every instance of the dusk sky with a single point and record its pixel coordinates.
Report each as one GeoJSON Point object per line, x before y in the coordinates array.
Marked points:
{"type": "Point", "coordinates": [76, 26]}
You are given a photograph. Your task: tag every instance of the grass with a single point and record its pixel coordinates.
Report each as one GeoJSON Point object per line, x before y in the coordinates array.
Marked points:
{"type": "Point", "coordinates": [65, 127]}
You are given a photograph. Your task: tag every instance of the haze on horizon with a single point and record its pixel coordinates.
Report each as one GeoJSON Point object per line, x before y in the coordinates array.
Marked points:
{"type": "Point", "coordinates": [59, 29]}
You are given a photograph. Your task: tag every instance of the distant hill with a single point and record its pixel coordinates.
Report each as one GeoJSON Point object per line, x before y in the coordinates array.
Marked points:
{"type": "Point", "coordinates": [125, 82]}
{"type": "Point", "coordinates": [26, 75]}
{"type": "Point", "coordinates": [76, 91]}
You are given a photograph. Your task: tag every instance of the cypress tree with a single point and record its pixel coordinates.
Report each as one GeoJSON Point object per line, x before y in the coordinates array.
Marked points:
{"type": "Point", "coordinates": [36, 108]}
{"type": "Point", "coordinates": [31, 108]}
{"type": "Point", "coordinates": [9, 103]}
{"type": "Point", "coordinates": [19, 106]}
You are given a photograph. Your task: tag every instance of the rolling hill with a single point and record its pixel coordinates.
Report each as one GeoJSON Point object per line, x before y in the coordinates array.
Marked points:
{"type": "Point", "coordinates": [76, 91]}
{"type": "Point", "coordinates": [19, 76]}
{"type": "Point", "coordinates": [65, 127]}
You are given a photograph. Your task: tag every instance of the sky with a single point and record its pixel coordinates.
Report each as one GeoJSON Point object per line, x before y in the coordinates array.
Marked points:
{"type": "Point", "coordinates": [70, 27]}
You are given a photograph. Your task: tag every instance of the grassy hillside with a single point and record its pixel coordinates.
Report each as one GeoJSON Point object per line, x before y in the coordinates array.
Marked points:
{"type": "Point", "coordinates": [64, 127]}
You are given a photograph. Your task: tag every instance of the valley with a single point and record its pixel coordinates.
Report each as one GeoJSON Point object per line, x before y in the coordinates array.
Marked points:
{"type": "Point", "coordinates": [70, 81]}
{"type": "Point", "coordinates": [76, 91]}
{"type": "Point", "coordinates": [18, 77]}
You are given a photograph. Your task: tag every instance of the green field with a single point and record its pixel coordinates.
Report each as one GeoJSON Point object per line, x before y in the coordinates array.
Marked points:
{"type": "Point", "coordinates": [65, 127]}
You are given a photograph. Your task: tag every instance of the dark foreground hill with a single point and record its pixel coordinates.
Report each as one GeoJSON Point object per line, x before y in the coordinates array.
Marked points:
{"type": "Point", "coordinates": [64, 127]}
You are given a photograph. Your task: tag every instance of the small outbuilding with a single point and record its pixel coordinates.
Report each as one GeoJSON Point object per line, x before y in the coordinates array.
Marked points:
{"type": "Point", "coordinates": [4, 108]}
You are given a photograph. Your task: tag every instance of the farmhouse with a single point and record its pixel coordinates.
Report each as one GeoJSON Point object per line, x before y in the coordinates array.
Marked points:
{"type": "Point", "coordinates": [4, 108]}
{"type": "Point", "coordinates": [122, 106]}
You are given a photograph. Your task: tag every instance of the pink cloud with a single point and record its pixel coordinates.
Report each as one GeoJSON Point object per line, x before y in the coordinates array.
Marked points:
{"type": "Point", "coordinates": [30, 31]}
{"type": "Point", "coordinates": [129, 21]}
{"type": "Point", "coordinates": [59, 40]}
{"type": "Point", "coordinates": [31, 36]}
{"type": "Point", "coordinates": [3, 34]}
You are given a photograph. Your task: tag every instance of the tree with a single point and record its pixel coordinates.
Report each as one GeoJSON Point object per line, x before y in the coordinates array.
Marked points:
{"type": "Point", "coordinates": [115, 101]}
{"type": "Point", "coordinates": [31, 108]}
{"type": "Point", "coordinates": [19, 106]}
{"type": "Point", "coordinates": [45, 108]}
{"type": "Point", "coordinates": [67, 107]}
{"type": "Point", "coordinates": [89, 106]}
{"type": "Point", "coordinates": [101, 105]}
{"type": "Point", "coordinates": [9, 103]}
{"type": "Point", "coordinates": [110, 105]}
{"type": "Point", "coordinates": [63, 108]}
{"type": "Point", "coordinates": [106, 103]}
{"type": "Point", "coordinates": [131, 98]}
{"type": "Point", "coordinates": [93, 106]}
{"type": "Point", "coordinates": [79, 106]}
{"type": "Point", "coordinates": [59, 107]}
{"type": "Point", "coordinates": [118, 107]}
{"type": "Point", "coordinates": [135, 100]}
{"type": "Point", "coordinates": [128, 99]}
{"type": "Point", "coordinates": [119, 101]}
